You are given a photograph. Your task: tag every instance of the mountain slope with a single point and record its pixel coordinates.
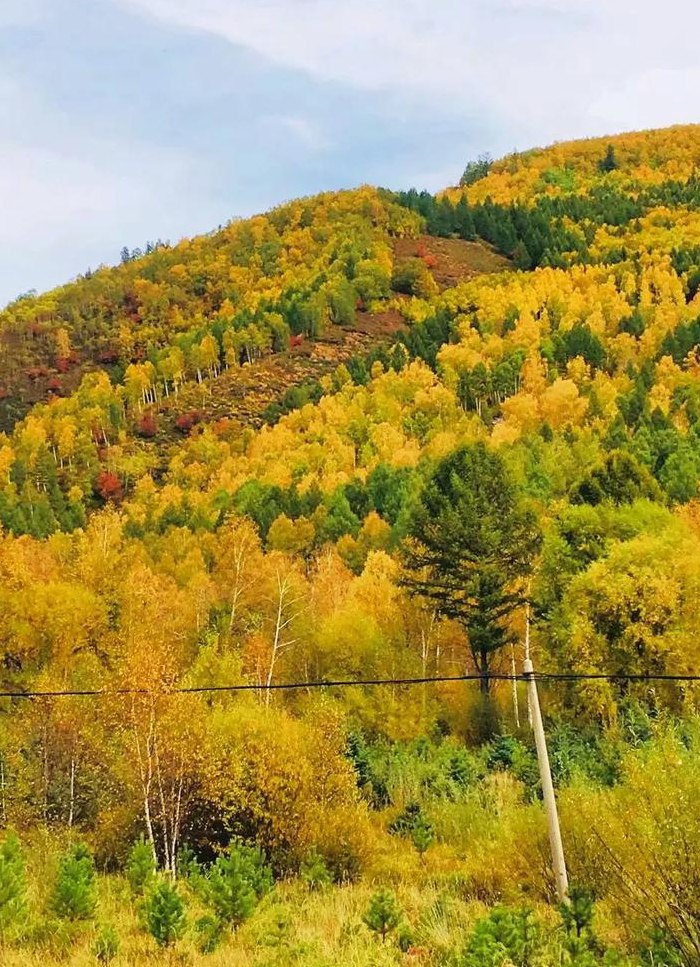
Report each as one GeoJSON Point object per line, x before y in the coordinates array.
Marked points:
{"type": "Point", "coordinates": [222, 497]}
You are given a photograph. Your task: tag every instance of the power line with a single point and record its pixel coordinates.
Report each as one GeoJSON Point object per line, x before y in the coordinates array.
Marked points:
{"type": "Point", "coordinates": [543, 677]}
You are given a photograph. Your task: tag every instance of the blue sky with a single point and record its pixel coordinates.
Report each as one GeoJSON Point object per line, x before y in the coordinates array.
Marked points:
{"type": "Point", "coordinates": [128, 120]}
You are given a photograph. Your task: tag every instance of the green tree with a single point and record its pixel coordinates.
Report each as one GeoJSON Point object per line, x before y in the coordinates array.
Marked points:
{"type": "Point", "coordinates": [475, 170]}
{"type": "Point", "coordinates": [141, 867]}
{"type": "Point", "coordinates": [505, 936]}
{"type": "Point", "coordinates": [74, 895]}
{"type": "Point", "coordinates": [608, 162]}
{"type": "Point", "coordinates": [412, 277]}
{"type": "Point", "coordinates": [383, 913]}
{"type": "Point", "coordinates": [164, 914]}
{"type": "Point", "coordinates": [13, 886]}
{"type": "Point", "coordinates": [313, 871]}
{"type": "Point", "coordinates": [621, 480]}
{"type": "Point", "coordinates": [423, 836]}
{"type": "Point", "coordinates": [236, 882]}
{"type": "Point", "coordinates": [470, 540]}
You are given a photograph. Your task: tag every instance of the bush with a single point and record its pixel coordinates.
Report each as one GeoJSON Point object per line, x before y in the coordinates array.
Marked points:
{"type": "Point", "coordinates": [210, 931]}
{"type": "Point", "coordinates": [164, 914]}
{"type": "Point", "coordinates": [13, 886]}
{"type": "Point", "coordinates": [383, 913]}
{"type": "Point", "coordinates": [313, 871]}
{"type": "Point", "coordinates": [412, 277]}
{"type": "Point", "coordinates": [106, 946]}
{"type": "Point", "coordinates": [73, 895]}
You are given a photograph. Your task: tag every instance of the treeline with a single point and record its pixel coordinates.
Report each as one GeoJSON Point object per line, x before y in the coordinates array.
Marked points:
{"type": "Point", "coordinates": [541, 233]}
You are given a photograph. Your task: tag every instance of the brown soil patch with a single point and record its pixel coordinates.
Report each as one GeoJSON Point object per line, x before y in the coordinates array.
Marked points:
{"type": "Point", "coordinates": [452, 260]}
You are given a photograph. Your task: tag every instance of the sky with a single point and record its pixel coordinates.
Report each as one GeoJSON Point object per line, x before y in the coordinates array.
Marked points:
{"type": "Point", "coordinates": [123, 121]}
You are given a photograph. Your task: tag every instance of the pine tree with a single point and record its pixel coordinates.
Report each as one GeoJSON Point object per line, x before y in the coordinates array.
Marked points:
{"type": "Point", "coordinates": [13, 886]}
{"type": "Point", "coordinates": [609, 161]}
{"type": "Point", "coordinates": [141, 867]}
{"type": "Point", "coordinates": [74, 891]}
{"type": "Point", "coordinates": [383, 913]}
{"type": "Point", "coordinates": [314, 872]}
{"type": "Point", "coordinates": [423, 836]}
{"type": "Point", "coordinates": [236, 882]}
{"type": "Point", "coordinates": [505, 936]}
{"type": "Point", "coordinates": [470, 542]}
{"type": "Point", "coordinates": [164, 914]}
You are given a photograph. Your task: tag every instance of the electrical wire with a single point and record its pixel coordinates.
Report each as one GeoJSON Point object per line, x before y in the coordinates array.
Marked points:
{"type": "Point", "coordinates": [542, 677]}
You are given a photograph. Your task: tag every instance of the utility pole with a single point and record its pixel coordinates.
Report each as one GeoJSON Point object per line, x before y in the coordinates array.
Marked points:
{"type": "Point", "coordinates": [516, 710]}
{"type": "Point", "coordinates": [550, 803]}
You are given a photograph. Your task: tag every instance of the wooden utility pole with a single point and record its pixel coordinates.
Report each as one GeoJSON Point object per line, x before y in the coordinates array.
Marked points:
{"type": "Point", "coordinates": [550, 803]}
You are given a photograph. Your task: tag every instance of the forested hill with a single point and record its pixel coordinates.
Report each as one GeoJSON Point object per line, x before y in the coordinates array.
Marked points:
{"type": "Point", "coordinates": [249, 457]}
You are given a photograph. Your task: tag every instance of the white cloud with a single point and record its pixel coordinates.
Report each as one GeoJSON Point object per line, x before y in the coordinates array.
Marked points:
{"type": "Point", "coordinates": [542, 68]}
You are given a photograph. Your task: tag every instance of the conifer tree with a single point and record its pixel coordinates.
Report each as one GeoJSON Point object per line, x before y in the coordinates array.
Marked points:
{"type": "Point", "coordinates": [164, 914]}
{"type": "Point", "coordinates": [141, 867]}
{"type": "Point", "coordinates": [383, 913]}
{"type": "Point", "coordinates": [470, 541]}
{"type": "Point", "coordinates": [13, 885]}
{"type": "Point", "coordinates": [74, 891]}
{"type": "Point", "coordinates": [236, 883]}
{"type": "Point", "coordinates": [609, 161]}
{"type": "Point", "coordinates": [423, 836]}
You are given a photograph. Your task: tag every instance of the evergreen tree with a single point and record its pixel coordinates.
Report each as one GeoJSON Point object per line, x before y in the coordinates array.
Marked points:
{"type": "Point", "coordinates": [236, 882]}
{"type": "Point", "coordinates": [13, 887]}
{"type": "Point", "coordinates": [423, 836]}
{"type": "Point", "coordinates": [470, 541]}
{"type": "Point", "coordinates": [476, 170]}
{"type": "Point", "coordinates": [164, 914]}
{"type": "Point", "coordinates": [383, 913]}
{"type": "Point", "coordinates": [609, 161]}
{"type": "Point", "coordinates": [314, 872]}
{"type": "Point", "coordinates": [141, 867]}
{"type": "Point", "coordinates": [73, 895]}
{"type": "Point", "coordinates": [505, 936]}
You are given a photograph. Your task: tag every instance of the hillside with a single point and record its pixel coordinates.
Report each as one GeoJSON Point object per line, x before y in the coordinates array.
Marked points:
{"type": "Point", "coordinates": [224, 462]}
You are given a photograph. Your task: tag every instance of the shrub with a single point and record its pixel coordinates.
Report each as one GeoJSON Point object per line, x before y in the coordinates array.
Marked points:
{"type": "Point", "coordinates": [73, 895]}
{"type": "Point", "coordinates": [210, 931]}
{"type": "Point", "coordinates": [108, 486]}
{"type": "Point", "coordinates": [383, 913]}
{"type": "Point", "coordinates": [412, 277]}
{"type": "Point", "coordinates": [186, 421]}
{"type": "Point", "coordinates": [106, 945]}
{"type": "Point", "coordinates": [313, 871]}
{"type": "Point", "coordinates": [164, 914]}
{"type": "Point", "coordinates": [147, 426]}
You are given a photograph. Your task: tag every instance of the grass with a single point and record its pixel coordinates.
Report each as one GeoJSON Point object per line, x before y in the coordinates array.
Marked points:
{"type": "Point", "coordinates": [292, 925]}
